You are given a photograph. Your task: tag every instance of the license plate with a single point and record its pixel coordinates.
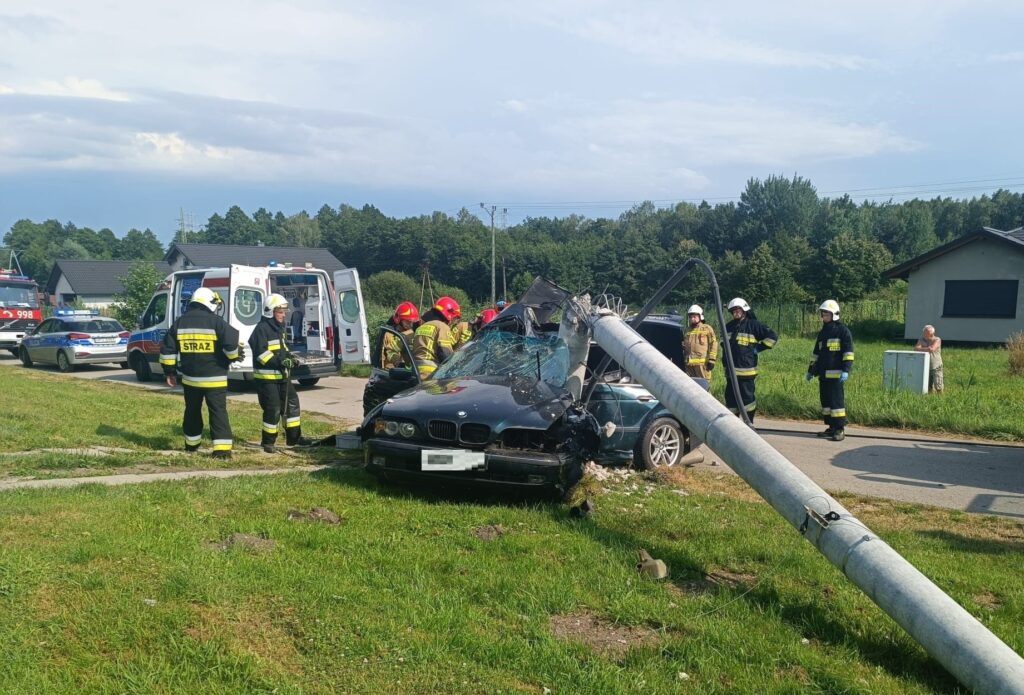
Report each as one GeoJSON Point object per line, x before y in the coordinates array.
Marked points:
{"type": "Point", "coordinates": [104, 341]}
{"type": "Point", "coordinates": [452, 460]}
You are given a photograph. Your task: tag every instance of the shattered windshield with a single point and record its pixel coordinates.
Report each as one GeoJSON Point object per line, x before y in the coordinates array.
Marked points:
{"type": "Point", "coordinates": [500, 353]}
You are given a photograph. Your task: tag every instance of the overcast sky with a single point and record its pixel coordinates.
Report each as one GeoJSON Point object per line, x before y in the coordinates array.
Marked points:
{"type": "Point", "coordinates": [119, 114]}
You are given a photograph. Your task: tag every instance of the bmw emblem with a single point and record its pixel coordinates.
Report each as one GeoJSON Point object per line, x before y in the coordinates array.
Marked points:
{"type": "Point", "coordinates": [461, 413]}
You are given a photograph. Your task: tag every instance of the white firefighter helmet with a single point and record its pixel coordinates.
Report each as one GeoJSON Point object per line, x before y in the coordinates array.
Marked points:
{"type": "Point", "coordinates": [739, 302]}
{"type": "Point", "coordinates": [206, 297]}
{"type": "Point", "coordinates": [695, 309]}
{"type": "Point", "coordinates": [830, 305]}
{"type": "Point", "coordinates": [274, 301]}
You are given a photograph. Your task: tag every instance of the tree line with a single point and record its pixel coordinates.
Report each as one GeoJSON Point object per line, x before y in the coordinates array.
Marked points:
{"type": "Point", "coordinates": [39, 244]}
{"type": "Point", "coordinates": [780, 242]}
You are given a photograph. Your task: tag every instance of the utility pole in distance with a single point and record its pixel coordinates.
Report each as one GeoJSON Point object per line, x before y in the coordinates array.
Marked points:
{"type": "Point", "coordinates": [490, 211]}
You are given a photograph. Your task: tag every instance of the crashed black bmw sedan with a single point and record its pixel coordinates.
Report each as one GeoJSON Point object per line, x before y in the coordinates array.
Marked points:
{"type": "Point", "coordinates": [500, 412]}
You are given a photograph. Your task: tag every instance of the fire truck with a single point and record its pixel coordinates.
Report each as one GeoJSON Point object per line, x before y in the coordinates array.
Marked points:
{"type": "Point", "coordinates": [20, 311]}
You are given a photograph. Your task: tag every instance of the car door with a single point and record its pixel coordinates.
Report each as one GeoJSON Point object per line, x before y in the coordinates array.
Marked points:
{"type": "Point", "coordinates": [33, 342]}
{"type": "Point", "coordinates": [384, 382]}
{"type": "Point", "coordinates": [248, 287]}
{"type": "Point", "coordinates": [52, 341]}
{"type": "Point", "coordinates": [353, 340]}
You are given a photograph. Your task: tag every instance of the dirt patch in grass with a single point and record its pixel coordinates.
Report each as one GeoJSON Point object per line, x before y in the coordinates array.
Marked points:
{"type": "Point", "coordinates": [316, 514]}
{"type": "Point", "coordinates": [711, 582]}
{"type": "Point", "coordinates": [244, 541]}
{"type": "Point", "coordinates": [605, 638]}
{"type": "Point", "coordinates": [247, 631]}
{"type": "Point", "coordinates": [987, 600]}
{"type": "Point", "coordinates": [490, 532]}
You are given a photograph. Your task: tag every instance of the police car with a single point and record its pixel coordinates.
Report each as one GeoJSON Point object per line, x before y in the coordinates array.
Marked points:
{"type": "Point", "coordinates": [73, 337]}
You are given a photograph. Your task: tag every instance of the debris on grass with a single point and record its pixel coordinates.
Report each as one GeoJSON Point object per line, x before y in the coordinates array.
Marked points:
{"type": "Point", "coordinates": [653, 568]}
{"type": "Point", "coordinates": [244, 541]}
{"type": "Point", "coordinates": [713, 581]}
{"type": "Point", "coordinates": [490, 532]}
{"type": "Point", "coordinates": [320, 514]}
{"type": "Point", "coordinates": [605, 638]}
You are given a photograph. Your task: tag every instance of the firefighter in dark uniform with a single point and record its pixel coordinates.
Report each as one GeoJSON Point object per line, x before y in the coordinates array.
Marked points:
{"type": "Point", "coordinates": [200, 346]}
{"type": "Point", "coordinates": [746, 337]}
{"type": "Point", "coordinates": [433, 342]}
{"type": "Point", "coordinates": [272, 363]}
{"type": "Point", "coordinates": [832, 363]}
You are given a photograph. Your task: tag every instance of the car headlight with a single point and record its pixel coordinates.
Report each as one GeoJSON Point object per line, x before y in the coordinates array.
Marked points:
{"type": "Point", "coordinates": [392, 428]}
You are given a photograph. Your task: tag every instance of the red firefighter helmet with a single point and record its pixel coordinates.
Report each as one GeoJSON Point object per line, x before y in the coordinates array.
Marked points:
{"type": "Point", "coordinates": [487, 315]}
{"type": "Point", "coordinates": [449, 308]}
{"type": "Point", "coordinates": [406, 311]}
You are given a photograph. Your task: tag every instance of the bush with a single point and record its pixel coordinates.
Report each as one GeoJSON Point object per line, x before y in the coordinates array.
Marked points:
{"type": "Point", "coordinates": [389, 288]}
{"type": "Point", "coordinates": [1015, 346]}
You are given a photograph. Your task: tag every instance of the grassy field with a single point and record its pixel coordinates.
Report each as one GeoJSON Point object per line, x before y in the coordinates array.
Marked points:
{"type": "Point", "coordinates": [981, 399]}
{"type": "Point", "coordinates": [126, 590]}
{"type": "Point", "coordinates": [65, 415]}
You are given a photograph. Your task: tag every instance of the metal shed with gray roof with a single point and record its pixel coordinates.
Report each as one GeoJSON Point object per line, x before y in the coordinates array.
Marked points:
{"type": "Point", "coordinates": [971, 289]}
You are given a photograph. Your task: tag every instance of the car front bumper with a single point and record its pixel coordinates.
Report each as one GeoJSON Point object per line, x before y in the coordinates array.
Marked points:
{"type": "Point", "coordinates": [503, 468]}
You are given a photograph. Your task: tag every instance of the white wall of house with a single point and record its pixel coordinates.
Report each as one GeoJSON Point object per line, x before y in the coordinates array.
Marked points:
{"type": "Point", "coordinates": [984, 259]}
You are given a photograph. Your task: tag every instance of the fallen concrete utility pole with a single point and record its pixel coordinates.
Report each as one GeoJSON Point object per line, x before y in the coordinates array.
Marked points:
{"type": "Point", "coordinates": [951, 635]}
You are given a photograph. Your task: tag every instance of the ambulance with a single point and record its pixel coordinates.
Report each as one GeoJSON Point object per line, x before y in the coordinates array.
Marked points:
{"type": "Point", "coordinates": [325, 326]}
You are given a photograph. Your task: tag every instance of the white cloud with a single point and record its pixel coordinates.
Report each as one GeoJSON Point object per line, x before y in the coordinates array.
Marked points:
{"type": "Point", "coordinates": [73, 87]}
{"type": "Point", "coordinates": [677, 41]}
{"type": "Point", "coordinates": [1007, 57]}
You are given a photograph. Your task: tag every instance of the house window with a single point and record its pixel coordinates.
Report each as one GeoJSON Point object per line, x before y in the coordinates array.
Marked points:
{"type": "Point", "coordinates": [983, 299]}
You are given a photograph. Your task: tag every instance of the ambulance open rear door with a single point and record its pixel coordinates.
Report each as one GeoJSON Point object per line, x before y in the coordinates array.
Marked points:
{"type": "Point", "coordinates": [248, 287]}
{"type": "Point", "coordinates": [351, 318]}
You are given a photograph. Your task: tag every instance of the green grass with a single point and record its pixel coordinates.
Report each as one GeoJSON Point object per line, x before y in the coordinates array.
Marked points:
{"type": "Point", "coordinates": [981, 399]}
{"type": "Point", "coordinates": [50, 411]}
{"type": "Point", "coordinates": [115, 590]}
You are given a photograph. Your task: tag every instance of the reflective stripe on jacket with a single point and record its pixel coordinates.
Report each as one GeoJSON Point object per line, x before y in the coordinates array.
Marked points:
{"type": "Point", "coordinates": [200, 345]}
{"type": "Point", "coordinates": [700, 345]}
{"type": "Point", "coordinates": [833, 351]}
{"type": "Point", "coordinates": [269, 347]}
{"type": "Point", "coordinates": [746, 338]}
{"type": "Point", "coordinates": [432, 344]}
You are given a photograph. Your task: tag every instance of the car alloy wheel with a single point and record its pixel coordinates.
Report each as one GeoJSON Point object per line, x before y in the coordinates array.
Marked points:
{"type": "Point", "coordinates": [63, 363]}
{"type": "Point", "coordinates": [25, 358]}
{"type": "Point", "coordinates": [662, 444]}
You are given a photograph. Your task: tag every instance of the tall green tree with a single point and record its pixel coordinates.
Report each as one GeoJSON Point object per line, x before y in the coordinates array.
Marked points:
{"type": "Point", "coordinates": [138, 282]}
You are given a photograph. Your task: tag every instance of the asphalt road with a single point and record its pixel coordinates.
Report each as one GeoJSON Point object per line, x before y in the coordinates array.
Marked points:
{"type": "Point", "coordinates": [967, 475]}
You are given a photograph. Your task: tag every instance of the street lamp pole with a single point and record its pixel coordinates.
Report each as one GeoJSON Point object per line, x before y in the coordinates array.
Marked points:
{"type": "Point", "coordinates": [491, 212]}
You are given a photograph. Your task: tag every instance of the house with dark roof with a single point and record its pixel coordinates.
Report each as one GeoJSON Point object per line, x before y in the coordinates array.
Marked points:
{"type": "Point", "coordinates": [971, 289]}
{"type": "Point", "coordinates": [93, 283]}
{"type": "Point", "coordinates": [182, 256]}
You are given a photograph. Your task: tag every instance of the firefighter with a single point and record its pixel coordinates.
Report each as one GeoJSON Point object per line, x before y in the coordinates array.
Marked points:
{"type": "Point", "coordinates": [433, 343]}
{"type": "Point", "coordinates": [746, 336]}
{"type": "Point", "coordinates": [200, 345]}
{"type": "Point", "coordinates": [466, 331]}
{"type": "Point", "coordinates": [272, 364]}
{"type": "Point", "coordinates": [406, 318]}
{"type": "Point", "coordinates": [700, 345]}
{"type": "Point", "coordinates": [832, 363]}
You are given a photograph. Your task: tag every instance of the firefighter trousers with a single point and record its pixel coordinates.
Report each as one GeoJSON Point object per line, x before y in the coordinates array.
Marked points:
{"type": "Point", "coordinates": [833, 402]}
{"type": "Point", "coordinates": [275, 396]}
{"type": "Point", "coordinates": [217, 405]}
{"type": "Point", "coordinates": [746, 385]}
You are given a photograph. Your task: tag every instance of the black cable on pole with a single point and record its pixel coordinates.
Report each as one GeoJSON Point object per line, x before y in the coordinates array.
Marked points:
{"type": "Point", "coordinates": [656, 299]}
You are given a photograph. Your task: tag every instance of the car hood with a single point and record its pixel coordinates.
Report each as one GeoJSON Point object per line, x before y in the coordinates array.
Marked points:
{"type": "Point", "coordinates": [499, 402]}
